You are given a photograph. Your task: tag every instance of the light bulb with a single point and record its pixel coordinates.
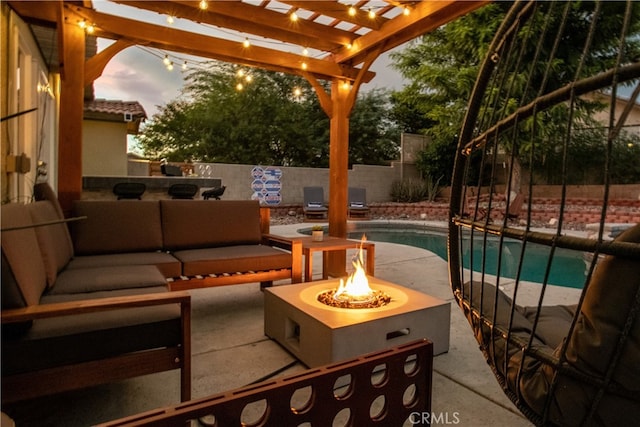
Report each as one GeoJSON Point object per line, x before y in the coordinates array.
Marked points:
{"type": "Point", "coordinates": [240, 73]}
{"type": "Point", "coordinates": [170, 66]}
{"type": "Point", "coordinates": [297, 91]}
{"type": "Point", "coordinates": [305, 51]}
{"type": "Point", "coordinates": [184, 66]}
{"type": "Point", "coordinates": [372, 14]}
{"type": "Point", "coordinates": [246, 42]}
{"type": "Point", "coordinates": [239, 86]}
{"type": "Point", "coordinates": [91, 28]}
{"type": "Point", "coordinates": [352, 11]}
{"type": "Point", "coordinates": [166, 61]}
{"type": "Point", "coordinates": [204, 4]}
{"type": "Point", "coordinates": [248, 78]}
{"type": "Point", "coordinates": [406, 11]}
{"type": "Point", "coordinates": [293, 16]}
{"type": "Point", "coordinates": [82, 24]}
{"type": "Point", "coordinates": [304, 65]}
{"type": "Point", "coordinates": [170, 19]}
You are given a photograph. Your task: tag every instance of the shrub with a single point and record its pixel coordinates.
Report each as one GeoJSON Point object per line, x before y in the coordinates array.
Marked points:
{"type": "Point", "coordinates": [408, 191]}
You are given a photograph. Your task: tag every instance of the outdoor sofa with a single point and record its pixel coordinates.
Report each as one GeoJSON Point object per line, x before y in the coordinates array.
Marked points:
{"type": "Point", "coordinates": [93, 306]}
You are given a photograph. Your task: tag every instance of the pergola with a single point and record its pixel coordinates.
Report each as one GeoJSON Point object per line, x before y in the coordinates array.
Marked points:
{"type": "Point", "coordinates": [345, 37]}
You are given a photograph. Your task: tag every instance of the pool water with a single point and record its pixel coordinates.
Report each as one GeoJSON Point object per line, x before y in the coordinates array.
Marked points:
{"type": "Point", "coordinates": [567, 268]}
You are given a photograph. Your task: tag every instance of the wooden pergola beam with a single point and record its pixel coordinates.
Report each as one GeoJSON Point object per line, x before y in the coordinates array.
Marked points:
{"type": "Point", "coordinates": [252, 20]}
{"type": "Point", "coordinates": [116, 27]}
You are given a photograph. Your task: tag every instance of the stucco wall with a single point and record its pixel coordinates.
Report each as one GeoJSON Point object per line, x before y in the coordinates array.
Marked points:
{"type": "Point", "coordinates": [104, 148]}
{"type": "Point", "coordinates": [237, 178]}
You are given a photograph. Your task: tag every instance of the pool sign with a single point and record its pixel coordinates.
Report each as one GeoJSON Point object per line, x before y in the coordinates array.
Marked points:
{"type": "Point", "coordinates": [266, 185]}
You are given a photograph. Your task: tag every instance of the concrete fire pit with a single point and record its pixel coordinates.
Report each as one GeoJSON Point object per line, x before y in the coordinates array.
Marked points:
{"type": "Point", "coordinates": [318, 334]}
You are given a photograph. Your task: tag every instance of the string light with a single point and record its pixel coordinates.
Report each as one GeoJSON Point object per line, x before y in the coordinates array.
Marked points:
{"type": "Point", "coordinates": [240, 73]}
{"type": "Point", "coordinates": [239, 86]}
{"type": "Point", "coordinates": [304, 66]}
{"type": "Point", "coordinates": [406, 11]}
{"type": "Point", "coordinates": [293, 17]}
{"type": "Point", "coordinates": [184, 66]}
{"type": "Point", "coordinates": [349, 46]}
{"type": "Point", "coordinates": [248, 78]}
{"type": "Point", "coordinates": [352, 11]}
{"type": "Point", "coordinates": [372, 14]}
{"type": "Point", "coordinates": [246, 42]}
{"type": "Point", "coordinates": [166, 61]}
{"type": "Point", "coordinates": [170, 66]}
{"type": "Point", "coordinates": [170, 19]}
{"type": "Point", "coordinates": [305, 51]}
{"type": "Point", "coordinates": [89, 28]}
{"type": "Point", "coordinates": [297, 92]}
{"type": "Point", "coordinates": [203, 5]}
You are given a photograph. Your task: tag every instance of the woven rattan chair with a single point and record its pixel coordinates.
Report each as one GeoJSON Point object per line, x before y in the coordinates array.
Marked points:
{"type": "Point", "coordinates": [564, 357]}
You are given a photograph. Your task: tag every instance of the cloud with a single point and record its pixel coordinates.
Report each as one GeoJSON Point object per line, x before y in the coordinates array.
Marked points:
{"type": "Point", "coordinates": [135, 75]}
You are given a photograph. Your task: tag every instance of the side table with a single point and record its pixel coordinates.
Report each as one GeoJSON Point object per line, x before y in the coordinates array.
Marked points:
{"type": "Point", "coordinates": [334, 244]}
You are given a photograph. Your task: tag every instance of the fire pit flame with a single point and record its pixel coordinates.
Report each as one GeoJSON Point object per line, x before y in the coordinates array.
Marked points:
{"type": "Point", "coordinates": [355, 292]}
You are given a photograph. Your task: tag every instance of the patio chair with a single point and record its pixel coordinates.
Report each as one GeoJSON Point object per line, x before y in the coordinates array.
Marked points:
{"type": "Point", "coordinates": [183, 191]}
{"type": "Point", "coordinates": [129, 190]}
{"type": "Point", "coordinates": [314, 207]}
{"type": "Point", "coordinates": [564, 357]}
{"type": "Point", "coordinates": [357, 207]}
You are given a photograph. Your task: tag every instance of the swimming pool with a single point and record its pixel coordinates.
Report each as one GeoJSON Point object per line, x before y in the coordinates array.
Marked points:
{"type": "Point", "coordinates": [567, 268]}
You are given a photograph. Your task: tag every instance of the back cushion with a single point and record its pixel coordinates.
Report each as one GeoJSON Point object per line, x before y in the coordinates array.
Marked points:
{"type": "Point", "coordinates": [116, 226]}
{"type": "Point", "coordinates": [24, 267]}
{"type": "Point", "coordinates": [209, 223]}
{"type": "Point", "coordinates": [54, 240]}
{"type": "Point", "coordinates": [613, 289]}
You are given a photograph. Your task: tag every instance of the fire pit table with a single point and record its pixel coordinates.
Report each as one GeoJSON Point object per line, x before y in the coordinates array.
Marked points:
{"type": "Point", "coordinates": [319, 334]}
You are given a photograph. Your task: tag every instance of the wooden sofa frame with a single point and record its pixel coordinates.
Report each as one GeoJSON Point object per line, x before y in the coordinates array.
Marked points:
{"type": "Point", "coordinates": [71, 377]}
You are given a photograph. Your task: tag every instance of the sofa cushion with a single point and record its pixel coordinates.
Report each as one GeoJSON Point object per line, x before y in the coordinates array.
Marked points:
{"type": "Point", "coordinates": [168, 265]}
{"type": "Point", "coordinates": [73, 339]}
{"type": "Point", "coordinates": [54, 240]}
{"type": "Point", "coordinates": [116, 226]}
{"type": "Point", "coordinates": [553, 322]}
{"type": "Point", "coordinates": [189, 224]}
{"type": "Point", "coordinates": [591, 348]}
{"type": "Point", "coordinates": [232, 259]}
{"type": "Point", "coordinates": [20, 247]}
{"type": "Point", "coordinates": [86, 280]}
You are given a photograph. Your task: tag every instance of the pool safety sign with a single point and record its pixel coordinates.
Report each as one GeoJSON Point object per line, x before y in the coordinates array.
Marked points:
{"type": "Point", "coordinates": [266, 185]}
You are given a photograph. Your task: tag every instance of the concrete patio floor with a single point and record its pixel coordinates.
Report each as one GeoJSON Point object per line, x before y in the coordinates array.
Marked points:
{"type": "Point", "coordinates": [230, 350]}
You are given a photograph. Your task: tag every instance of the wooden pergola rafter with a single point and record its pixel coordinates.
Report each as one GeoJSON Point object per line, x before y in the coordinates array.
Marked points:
{"type": "Point", "coordinates": [345, 37]}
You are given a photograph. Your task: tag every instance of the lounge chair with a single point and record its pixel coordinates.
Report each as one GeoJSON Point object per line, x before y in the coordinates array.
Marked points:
{"type": "Point", "coordinates": [314, 207]}
{"type": "Point", "coordinates": [357, 206]}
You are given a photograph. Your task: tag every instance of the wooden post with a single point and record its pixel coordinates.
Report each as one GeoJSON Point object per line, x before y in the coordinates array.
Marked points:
{"type": "Point", "coordinates": [338, 172]}
{"type": "Point", "coordinates": [72, 56]}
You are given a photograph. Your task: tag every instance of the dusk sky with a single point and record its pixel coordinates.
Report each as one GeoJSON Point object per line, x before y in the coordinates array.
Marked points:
{"type": "Point", "coordinates": [138, 73]}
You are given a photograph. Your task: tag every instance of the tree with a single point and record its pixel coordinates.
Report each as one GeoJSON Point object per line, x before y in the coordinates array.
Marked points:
{"type": "Point", "coordinates": [262, 123]}
{"type": "Point", "coordinates": [442, 66]}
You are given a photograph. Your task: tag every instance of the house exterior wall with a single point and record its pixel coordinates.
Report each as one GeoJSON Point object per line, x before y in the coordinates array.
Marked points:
{"type": "Point", "coordinates": [104, 148]}
{"type": "Point", "coordinates": [632, 124]}
{"type": "Point", "coordinates": [32, 136]}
